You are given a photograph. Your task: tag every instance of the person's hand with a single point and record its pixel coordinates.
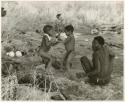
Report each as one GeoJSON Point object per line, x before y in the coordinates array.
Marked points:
{"type": "Point", "coordinates": [60, 41]}
{"type": "Point", "coordinates": [80, 75]}
{"type": "Point", "coordinates": [53, 40]}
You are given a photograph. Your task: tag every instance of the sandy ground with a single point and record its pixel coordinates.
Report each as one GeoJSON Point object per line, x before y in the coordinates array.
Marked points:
{"type": "Point", "coordinates": [78, 89]}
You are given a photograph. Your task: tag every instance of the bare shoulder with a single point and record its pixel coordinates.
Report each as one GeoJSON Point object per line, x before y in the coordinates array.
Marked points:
{"type": "Point", "coordinates": [106, 47]}
{"type": "Point", "coordinates": [45, 37]}
{"type": "Point", "coordinates": [109, 49]}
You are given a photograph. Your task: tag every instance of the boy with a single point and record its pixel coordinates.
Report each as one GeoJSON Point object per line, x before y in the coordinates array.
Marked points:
{"type": "Point", "coordinates": [47, 41]}
{"type": "Point", "coordinates": [102, 60]}
{"type": "Point", "coordinates": [69, 46]}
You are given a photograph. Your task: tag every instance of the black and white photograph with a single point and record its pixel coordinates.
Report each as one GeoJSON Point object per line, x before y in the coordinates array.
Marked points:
{"type": "Point", "coordinates": [62, 50]}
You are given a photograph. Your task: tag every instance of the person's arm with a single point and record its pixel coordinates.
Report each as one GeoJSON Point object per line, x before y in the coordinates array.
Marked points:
{"type": "Point", "coordinates": [96, 65]}
{"type": "Point", "coordinates": [111, 56]}
{"type": "Point", "coordinates": [58, 38]}
{"type": "Point", "coordinates": [48, 43]}
{"type": "Point", "coordinates": [111, 53]}
{"type": "Point", "coordinates": [54, 41]}
{"type": "Point", "coordinates": [67, 40]}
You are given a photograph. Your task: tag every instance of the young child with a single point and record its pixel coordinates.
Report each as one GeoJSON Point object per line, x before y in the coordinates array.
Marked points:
{"type": "Point", "coordinates": [102, 59]}
{"type": "Point", "coordinates": [59, 24]}
{"type": "Point", "coordinates": [47, 41]}
{"type": "Point", "coordinates": [69, 46]}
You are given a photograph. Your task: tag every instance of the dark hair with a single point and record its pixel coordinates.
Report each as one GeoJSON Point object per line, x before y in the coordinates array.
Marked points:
{"type": "Point", "coordinates": [69, 28]}
{"type": "Point", "coordinates": [100, 40]}
{"type": "Point", "coordinates": [47, 28]}
{"type": "Point", "coordinates": [58, 15]}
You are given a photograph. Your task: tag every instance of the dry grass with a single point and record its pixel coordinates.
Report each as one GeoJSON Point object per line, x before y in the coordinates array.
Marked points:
{"type": "Point", "coordinates": [9, 87]}
{"type": "Point", "coordinates": [77, 13]}
{"type": "Point", "coordinates": [12, 90]}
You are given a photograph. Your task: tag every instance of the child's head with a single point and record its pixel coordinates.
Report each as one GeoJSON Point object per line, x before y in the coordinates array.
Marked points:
{"type": "Point", "coordinates": [58, 16]}
{"type": "Point", "coordinates": [69, 30]}
{"type": "Point", "coordinates": [98, 42]}
{"type": "Point", "coordinates": [48, 29]}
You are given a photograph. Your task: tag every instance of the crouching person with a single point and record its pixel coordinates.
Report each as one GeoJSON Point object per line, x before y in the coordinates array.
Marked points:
{"type": "Point", "coordinates": [47, 42]}
{"type": "Point", "coordinates": [102, 59]}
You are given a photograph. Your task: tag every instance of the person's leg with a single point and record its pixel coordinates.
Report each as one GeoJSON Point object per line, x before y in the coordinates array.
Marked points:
{"type": "Point", "coordinates": [46, 58]}
{"type": "Point", "coordinates": [64, 61]}
{"type": "Point", "coordinates": [87, 67]}
{"type": "Point", "coordinates": [45, 61]}
{"type": "Point", "coordinates": [69, 58]}
{"type": "Point", "coordinates": [56, 63]}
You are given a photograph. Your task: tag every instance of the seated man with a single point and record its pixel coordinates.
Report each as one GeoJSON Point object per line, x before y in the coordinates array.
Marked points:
{"type": "Point", "coordinates": [100, 72]}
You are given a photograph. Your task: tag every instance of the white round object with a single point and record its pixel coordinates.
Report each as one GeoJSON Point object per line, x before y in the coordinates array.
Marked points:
{"type": "Point", "coordinates": [18, 53]}
{"type": "Point", "coordinates": [63, 36]}
{"type": "Point", "coordinates": [11, 54]}
{"type": "Point", "coordinates": [7, 53]}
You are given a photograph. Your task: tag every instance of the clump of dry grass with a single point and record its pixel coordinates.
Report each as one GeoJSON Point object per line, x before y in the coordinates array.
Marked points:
{"type": "Point", "coordinates": [9, 87]}
{"type": "Point", "coordinates": [40, 85]}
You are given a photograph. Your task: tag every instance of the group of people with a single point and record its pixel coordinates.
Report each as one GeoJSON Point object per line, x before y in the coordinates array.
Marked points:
{"type": "Point", "coordinates": [102, 59]}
